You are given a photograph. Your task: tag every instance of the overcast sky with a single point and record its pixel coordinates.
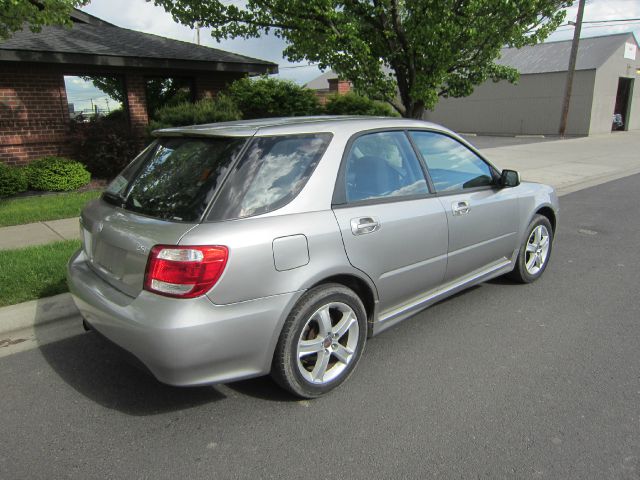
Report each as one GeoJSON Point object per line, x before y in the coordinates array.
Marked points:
{"type": "Point", "coordinates": [145, 17]}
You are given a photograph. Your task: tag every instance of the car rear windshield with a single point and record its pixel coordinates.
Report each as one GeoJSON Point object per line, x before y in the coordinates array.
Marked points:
{"type": "Point", "coordinates": [177, 178]}
{"type": "Point", "coordinates": [174, 178]}
{"type": "Point", "coordinates": [269, 175]}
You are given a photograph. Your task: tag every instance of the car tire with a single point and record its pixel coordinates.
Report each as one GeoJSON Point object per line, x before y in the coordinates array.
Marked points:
{"type": "Point", "coordinates": [321, 341]}
{"type": "Point", "coordinates": [535, 251]}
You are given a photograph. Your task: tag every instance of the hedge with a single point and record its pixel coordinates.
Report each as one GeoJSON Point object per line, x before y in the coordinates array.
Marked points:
{"type": "Point", "coordinates": [13, 180]}
{"type": "Point", "coordinates": [354, 104]}
{"type": "Point", "coordinates": [56, 174]}
{"type": "Point", "coordinates": [270, 97]}
{"type": "Point", "coordinates": [105, 145]}
{"type": "Point", "coordinates": [220, 109]}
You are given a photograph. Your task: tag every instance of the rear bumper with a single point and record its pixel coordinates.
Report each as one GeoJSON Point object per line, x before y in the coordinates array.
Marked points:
{"type": "Point", "coordinates": [182, 342]}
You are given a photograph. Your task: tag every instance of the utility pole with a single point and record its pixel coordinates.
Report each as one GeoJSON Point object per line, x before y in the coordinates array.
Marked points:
{"type": "Point", "coordinates": [198, 33]}
{"type": "Point", "coordinates": [572, 68]}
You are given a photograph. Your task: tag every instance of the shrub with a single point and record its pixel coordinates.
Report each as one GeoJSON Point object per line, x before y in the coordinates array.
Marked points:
{"type": "Point", "coordinates": [219, 109]}
{"type": "Point", "coordinates": [354, 104]}
{"type": "Point", "coordinates": [12, 180]}
{"type": "Point", "coordinates": [105, 145]}
{"type": "Point", "coordinates": [57, 174]}
{"type": "Point", "coordinates": [270, 97]}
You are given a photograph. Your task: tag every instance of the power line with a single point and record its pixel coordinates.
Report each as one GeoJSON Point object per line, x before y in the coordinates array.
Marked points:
{"type": "Point", "coordinates": [298, 66]}
{"type": "Point", "coordinates": [632, 20]}
{"type": "Point", "coordinates": [94, 97]}
{"type": "Point", "coordinates": [615, 25]}
{"type": "Point", "coordinates": [614, 20]}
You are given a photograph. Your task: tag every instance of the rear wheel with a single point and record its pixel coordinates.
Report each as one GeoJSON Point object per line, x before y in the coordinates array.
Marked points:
{"type": "Point", "coordinates": [535, 252]}
{"type": "Point", "coordinates": [321, 341]}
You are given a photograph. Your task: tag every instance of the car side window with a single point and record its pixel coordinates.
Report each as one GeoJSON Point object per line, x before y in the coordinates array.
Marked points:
{"type": "Point", "coordinates": [452, 166]}
{"type": "Point", "coordinates": [383, 165]}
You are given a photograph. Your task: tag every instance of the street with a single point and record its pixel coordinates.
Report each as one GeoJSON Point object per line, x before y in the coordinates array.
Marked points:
{"type": "Point", "coordinates": [501, 381]}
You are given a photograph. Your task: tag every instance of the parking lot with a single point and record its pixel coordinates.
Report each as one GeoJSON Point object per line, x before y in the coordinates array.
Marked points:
{"type": "Point", "coordinates": [504, 380]}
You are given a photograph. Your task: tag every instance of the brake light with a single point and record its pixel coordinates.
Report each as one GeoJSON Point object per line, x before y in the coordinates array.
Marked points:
{"type": "Point", "coordinates": [184, 272]}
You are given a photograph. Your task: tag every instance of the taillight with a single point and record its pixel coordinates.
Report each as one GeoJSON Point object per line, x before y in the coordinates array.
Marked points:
{"type": "Point", "coordinates": [184, 272]}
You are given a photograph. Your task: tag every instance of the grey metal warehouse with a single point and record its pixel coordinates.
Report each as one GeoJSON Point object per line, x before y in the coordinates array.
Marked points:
{"type": "Point", "coordinates": [606, 70]}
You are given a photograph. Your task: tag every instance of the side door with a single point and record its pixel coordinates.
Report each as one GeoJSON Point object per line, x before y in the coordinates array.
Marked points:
{"type": "Point", "coordinates": [394, 229]}
{"type": "Point", "coordinates": [482, 217]}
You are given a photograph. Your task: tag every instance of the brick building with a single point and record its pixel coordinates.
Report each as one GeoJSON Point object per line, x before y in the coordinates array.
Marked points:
{"type": "Point", "coordinates": [34, 113]}
{"type": "Point", "coordinates": [329, 84]}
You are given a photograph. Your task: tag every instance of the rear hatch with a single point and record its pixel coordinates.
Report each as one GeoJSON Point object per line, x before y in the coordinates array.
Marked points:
{"type": "Point", "coordinates": [158, 198]}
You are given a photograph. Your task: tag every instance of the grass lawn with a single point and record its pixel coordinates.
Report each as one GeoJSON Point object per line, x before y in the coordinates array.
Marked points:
{"type": "Point", "coordinates": [34, 272]}
{"type": "Point", "coordinates": [17, 211]}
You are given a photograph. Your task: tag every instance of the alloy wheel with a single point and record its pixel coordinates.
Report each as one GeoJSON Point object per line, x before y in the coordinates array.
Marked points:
{"type": "Point", "coordinates": [327, 343]}
{"type": "Point", "coordinates": [537, 250]}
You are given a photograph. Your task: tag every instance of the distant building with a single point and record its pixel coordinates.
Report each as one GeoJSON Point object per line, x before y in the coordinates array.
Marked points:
{"type": "Point", "coordinates": [34, 112]}
{"type": "Point", "coordinates": [606, 70]}
{"type": "Point", "coordinates": [329, 84]}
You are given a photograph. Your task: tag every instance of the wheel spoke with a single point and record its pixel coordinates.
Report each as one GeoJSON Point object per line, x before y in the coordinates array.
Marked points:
{"type": "Point", "coordinates": [544, 241]}
{"type": "Point", "coordinates": [343, 354]}
{"type": "Point", "coordinates": [344, 324]}
{"type": "Point", "coordinates": [324, 321]}
{"type": "Point", "coordinates": [538, 234]}
{"type": "Point", "coordinates": [538, 261]}
{"type": "Point", "coordinates": [531, 247]}
{"type": "Point", "coordinates": [531, 262]}
{"type": "Point", "coordinates": [321, 365]}
{"type": "Point", "coordinates": [308, 347]}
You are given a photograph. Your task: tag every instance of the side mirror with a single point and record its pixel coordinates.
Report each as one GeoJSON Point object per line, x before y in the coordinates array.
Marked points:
{"type": "Point", "coordinates": [509, 178]}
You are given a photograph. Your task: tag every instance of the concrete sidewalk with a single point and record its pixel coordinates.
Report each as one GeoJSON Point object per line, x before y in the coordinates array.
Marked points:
{"type": "Point", "coordinates": [39, 233]}
{"type": "Point", "coordinates": [568, 165]}
{"type": "Point", "coordinates": [571, 165]}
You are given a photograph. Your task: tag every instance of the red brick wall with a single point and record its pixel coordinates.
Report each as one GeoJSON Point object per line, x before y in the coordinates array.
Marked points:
{"type": "Point", "coordinates": [136, 103]}
{"type": "Point", "coordinates": [207, 86]}
{"type": "Point", "coordinates": [34, 117]}
{"type": "Point", "coordinates": [339, 86]}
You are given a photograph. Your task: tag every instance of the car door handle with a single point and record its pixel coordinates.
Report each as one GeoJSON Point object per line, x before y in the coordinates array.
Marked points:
{"type": "Point", "coordinates": [461, 207]}
{"type": "Point", "coordinates": [360, 226]}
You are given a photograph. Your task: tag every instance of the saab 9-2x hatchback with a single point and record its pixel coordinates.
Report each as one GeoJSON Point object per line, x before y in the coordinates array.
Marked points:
{"type": "Point", "coordinates": [234, 250]}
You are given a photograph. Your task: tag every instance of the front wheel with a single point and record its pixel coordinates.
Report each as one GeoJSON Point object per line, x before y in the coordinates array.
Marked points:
{"type": "Point", "coordinates": [321, 341]}
{"type": "Point", "coordinates": [535, 252]}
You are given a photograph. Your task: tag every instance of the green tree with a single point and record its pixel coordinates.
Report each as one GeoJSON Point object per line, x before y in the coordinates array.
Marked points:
{"type": "Point", "coordinates": [36, 13]}
{"type": "Point", "coordinates": [409, 53]}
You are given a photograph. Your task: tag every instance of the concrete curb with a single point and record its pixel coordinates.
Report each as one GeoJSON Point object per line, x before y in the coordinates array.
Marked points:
{"type": "Point", "coordinates": [36, 313]}
{"type": "Point", "coordinates": [594, 181]}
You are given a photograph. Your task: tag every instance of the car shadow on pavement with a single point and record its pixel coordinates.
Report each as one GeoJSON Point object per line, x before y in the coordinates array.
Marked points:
{"type": "Point", "coordinates": [263, 388]}
{"type": "Point", "coordinates": [99, 371]}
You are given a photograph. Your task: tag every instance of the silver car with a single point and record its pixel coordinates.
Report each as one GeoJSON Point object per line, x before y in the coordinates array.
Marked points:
{"type": "Point", "coordinates": [234, 250]}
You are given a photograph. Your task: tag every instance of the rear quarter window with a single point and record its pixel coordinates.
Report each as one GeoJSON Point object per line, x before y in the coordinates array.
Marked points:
{"type": "Point", "coordinates": [269, 175]}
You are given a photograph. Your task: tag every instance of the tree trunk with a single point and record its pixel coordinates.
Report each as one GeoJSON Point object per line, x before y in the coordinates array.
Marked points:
{"type": "Point", "coordinates": [413, 110]}
{"type": "Point", "coordinates": [417, 110]}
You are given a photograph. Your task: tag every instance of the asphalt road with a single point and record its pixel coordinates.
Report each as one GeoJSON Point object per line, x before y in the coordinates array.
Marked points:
{"type": "Point", "coordinates": [503, 381]}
